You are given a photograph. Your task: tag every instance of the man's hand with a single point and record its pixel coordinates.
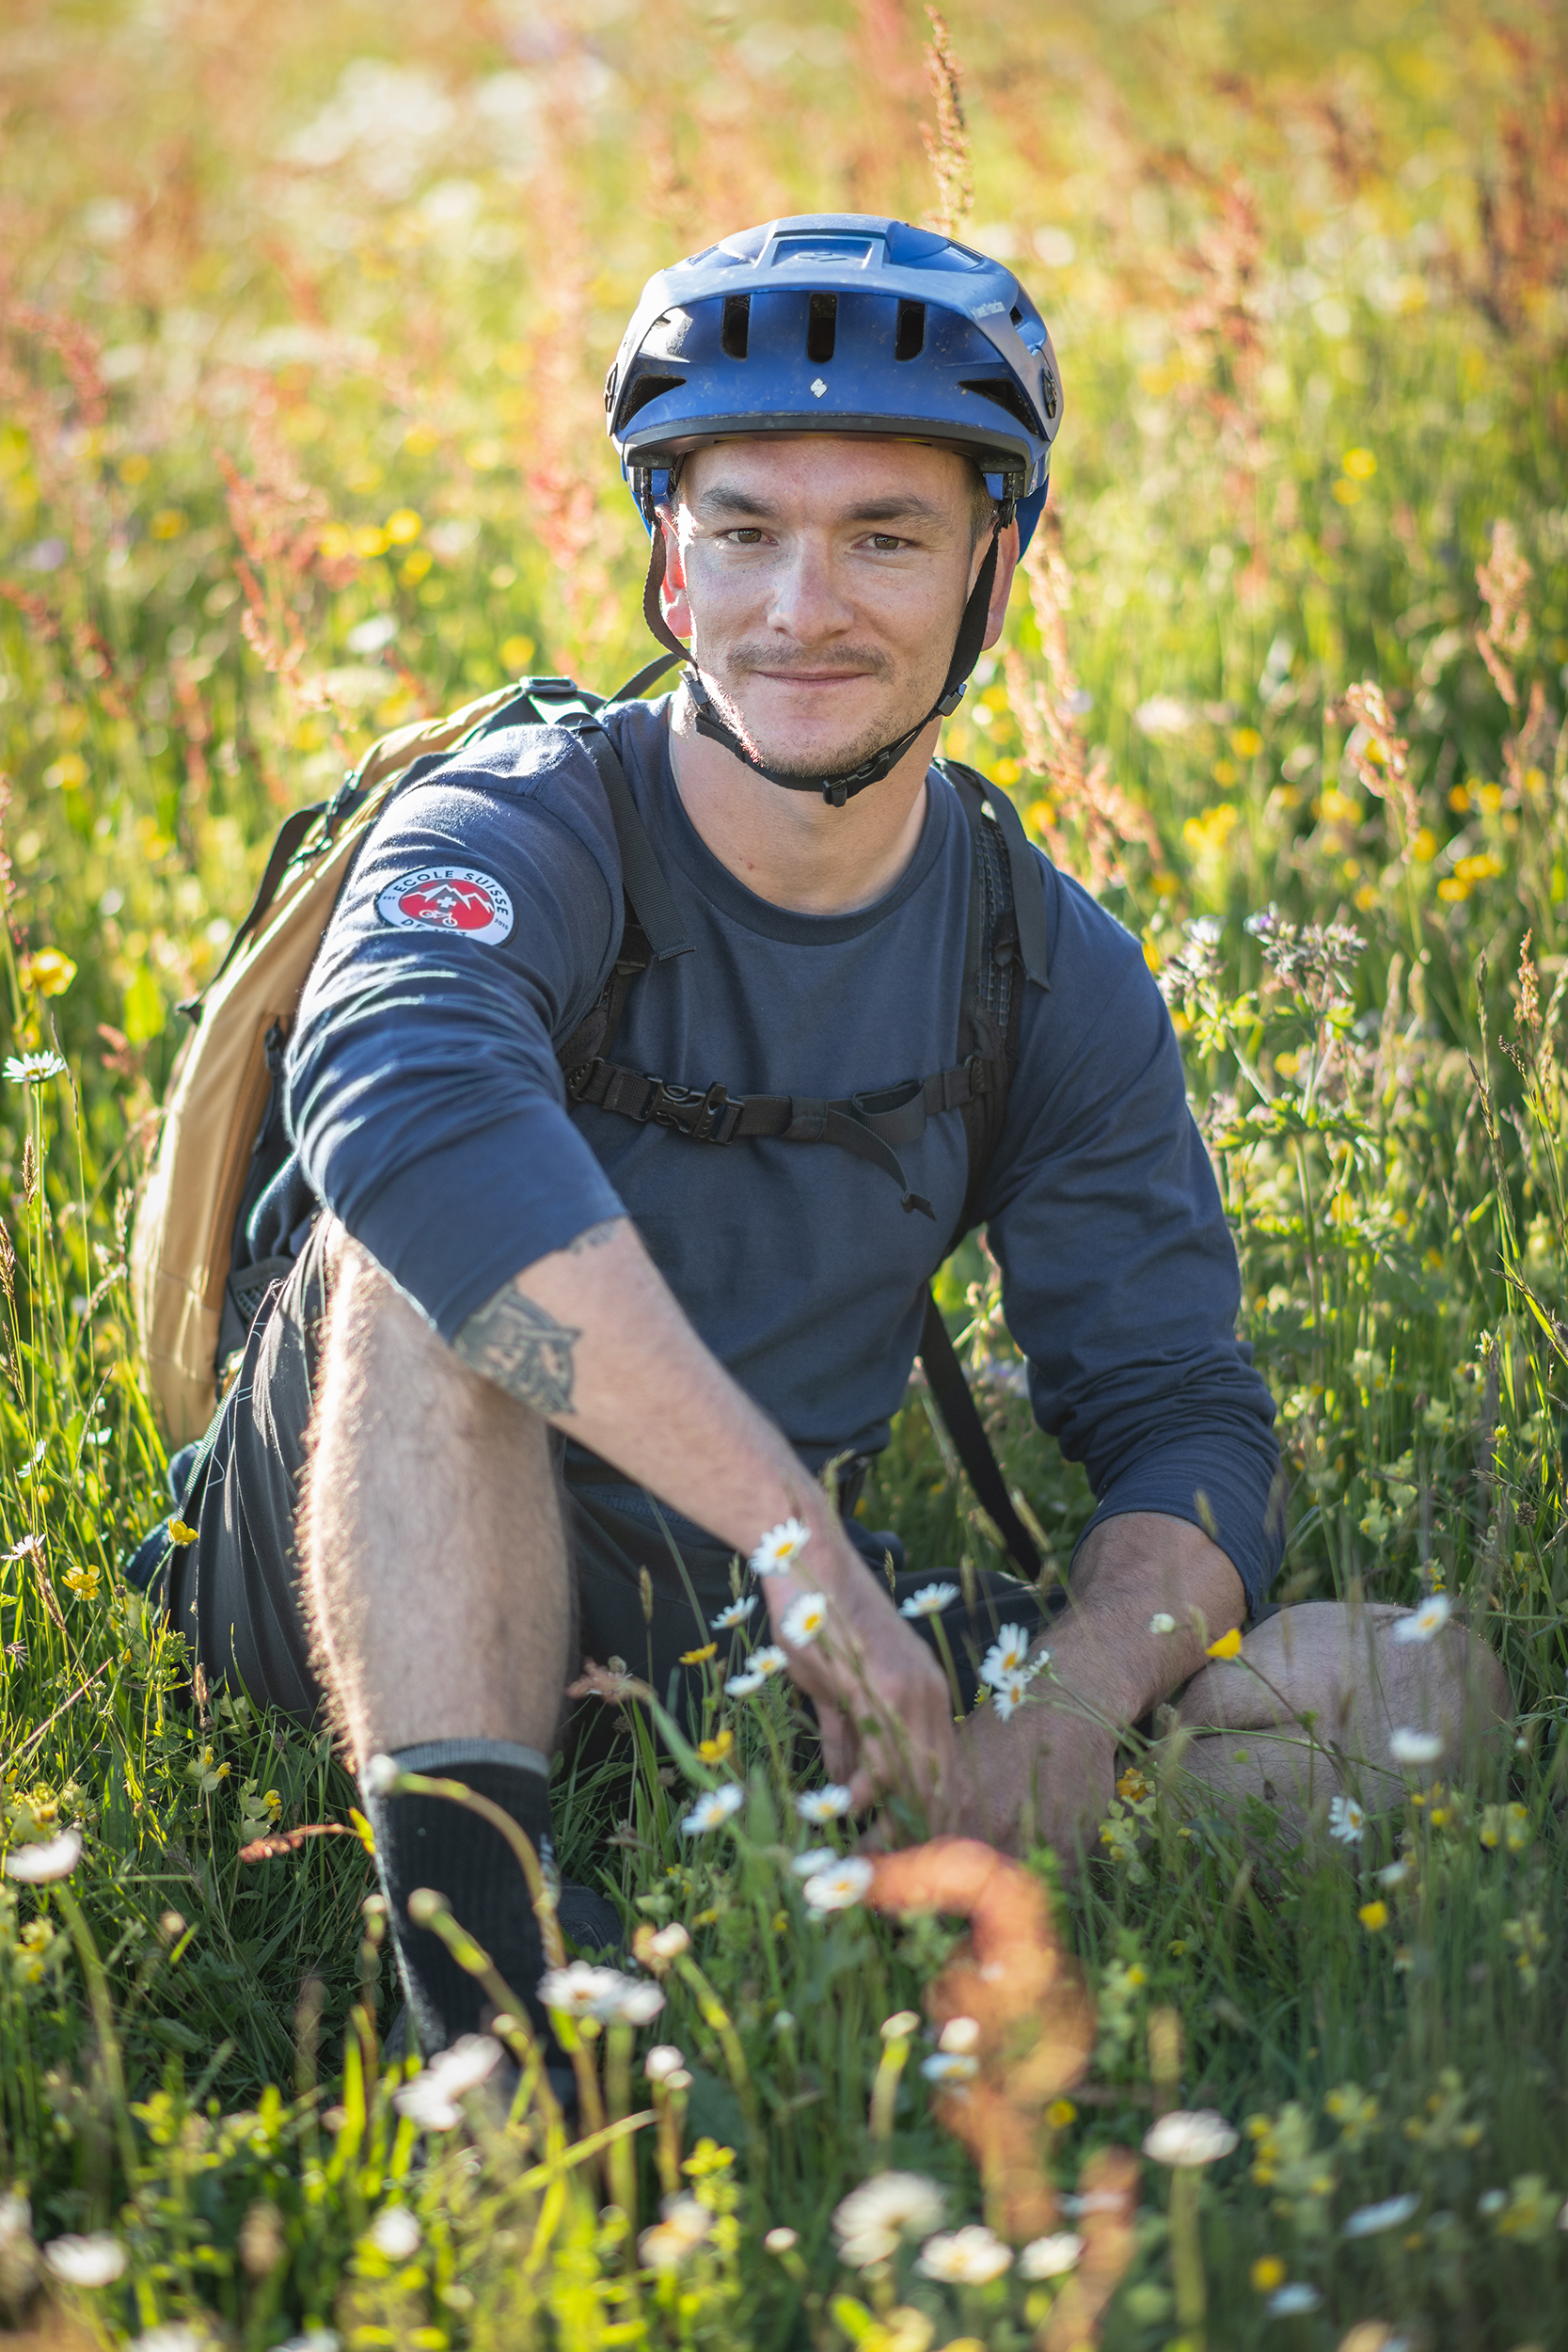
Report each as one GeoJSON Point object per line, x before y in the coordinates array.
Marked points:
{"type": "Point", "coordinates": [1149, 1594]}
{"type": "Point", "coordinates": [882, 1703]}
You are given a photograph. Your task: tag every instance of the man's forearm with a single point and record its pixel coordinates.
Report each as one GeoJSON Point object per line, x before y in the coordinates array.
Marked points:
{"type": "Point", "coordinates": [1112, 1646]}
{"type": "Point", "coordinates": [590, 1338]}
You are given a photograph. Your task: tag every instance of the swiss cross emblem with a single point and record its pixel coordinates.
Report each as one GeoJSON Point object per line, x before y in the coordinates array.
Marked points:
{"type": "Point", "coordinates": [447, 898]}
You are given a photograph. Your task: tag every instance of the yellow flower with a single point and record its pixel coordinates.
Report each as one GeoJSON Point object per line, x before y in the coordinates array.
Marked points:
{"type": "Point", "coordinates": [1373, 1917]}
{"type": "Point", "coordinates": [1131, 1785]}
{"type": "Point", "coordinates": [1227, 1645]}
{"type": "Point", "coordinates": [49, 971]}
{"type": "Point", "coordinates": [714, 1751]}
{"type": "Point", "coordinates": [403, 525]}
{"type": "Point", "coordinates": [1060, 2113]}
{"type": "Point", "coordinates": [82, 1582]}
{"type": "Point", "coordinates": [1268, 2272]}
{"type": "Point", "coordinates": [700, 1657]}
{"type": "Point", "coordinates": [179, 1534]}
{"type": "Point", "coordinates": [1359, 464]}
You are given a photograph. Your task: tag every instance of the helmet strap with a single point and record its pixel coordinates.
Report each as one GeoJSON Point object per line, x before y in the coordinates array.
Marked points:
{"type": "Point", "coordinates": [835, 791]}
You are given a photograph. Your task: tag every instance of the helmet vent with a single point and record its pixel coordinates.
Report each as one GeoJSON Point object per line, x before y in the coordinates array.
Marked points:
{"type": "Point", "coordinates": [1016, 315]}
{"type": "Point", "coordinates": [821, 327]}
{"type": "Point", "coordinates": [1005, 394]}
{"type": "Point", "coordinates": [643, 389]}
{"type": "Point", "coordinates": [909, 339]}
{"type": "Point", "coordinates": [737, 325]}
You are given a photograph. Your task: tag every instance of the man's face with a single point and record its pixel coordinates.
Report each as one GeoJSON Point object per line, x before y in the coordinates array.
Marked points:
{"type": "Point", "coordinates": [823, 581]}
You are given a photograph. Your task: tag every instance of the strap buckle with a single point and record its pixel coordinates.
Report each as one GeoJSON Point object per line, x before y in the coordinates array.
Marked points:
{"type": "Point", "coordinates": [703, 1118]}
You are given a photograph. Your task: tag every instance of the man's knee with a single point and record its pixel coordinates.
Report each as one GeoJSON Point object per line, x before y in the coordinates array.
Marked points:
{"type": "Point", "coordinates": [1353, 1673]}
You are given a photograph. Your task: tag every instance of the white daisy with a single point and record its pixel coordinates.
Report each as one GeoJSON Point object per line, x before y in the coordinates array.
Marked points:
{"type": "Point", "coordinates": [741, 1686]}
{"type": "Point", "coordinates": [770, 1660]}
{"type": "Point", "coordinates": [684, 2225]}
{"type": "Point", "coordinates": [25, 1069]}
{"type": "Point", "coordinates": [950, 2066]}
{"type": "Point", "coordinates": [839, 1889]}
{"type": "Point", "coordinates": [1346, 1821]}
{"type": "Point", "coordinates": [1407, 1747]}
{"type": "Point", "coordinates": [1294, 2301]}
{"type": "Point", "coordinates": [714, 1809]}
{"type": "Point", "coordinates": [380, 1776]}
{"type": "Point", "coordinates": [580, 1989]}
{"type": "Point", "coordinates": [1393, 1873]}
{"type": "Point", "coordinates": [780, 1549]}
{"type": "Point", "coordinates": [395, 2233]}
{"type": "Point", "coordinates": [1007, 1655]}
{"type": "Point", "coordinates": [85, 2262]}
{"type": "Point", "coordinates": [1009, 1694]}
{"type": "Point", "coordinates": [662, 2061]}
{"type": "Point", "coordinates": [890, 2201]}
{"type": "Point", "coordinates": [804, 1619]}
{"type": "Point", "coordinates": [1425, 1623]}
{"type": "Point", "coordinates": [1201, 2137]}
{"type": "Point", "coordinates": [962, 2034]}
{"type": "Point", "coordinates": [736, 1614]}
{"type": "Point", "coordinates": [1048, 2257]}
{"type": "Point", "coordinates": [38, 1866]}
{"type": "Point", "coordinates": [823, 1804]}
{"type": "Point", "coordinates": [1392, 2214]}
{"type": "Point", "coordinates": [815, 1858]}
{"type": "Point", "coordinates": [970, 2257]}
{"type": "Point", "coordinates": [929, 1601]}
{"type": "Point", "coordinates": [431, 2098]}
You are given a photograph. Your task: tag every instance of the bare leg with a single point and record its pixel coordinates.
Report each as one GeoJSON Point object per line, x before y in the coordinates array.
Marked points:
{"type": "Point", "coordinates": [434, 1561]}
{"type": "Point", "coordinates": [1345, 1668]}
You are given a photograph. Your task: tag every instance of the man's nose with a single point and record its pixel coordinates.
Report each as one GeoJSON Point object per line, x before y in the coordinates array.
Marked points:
{"type": "Point", "coordinates": [808, 601]}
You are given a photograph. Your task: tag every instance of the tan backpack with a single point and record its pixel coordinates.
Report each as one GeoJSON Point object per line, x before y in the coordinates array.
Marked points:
{"type": "Point", "coordinates": [182, 1249]}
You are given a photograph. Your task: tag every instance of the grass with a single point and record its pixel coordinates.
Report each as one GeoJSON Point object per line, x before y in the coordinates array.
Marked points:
{"type": "Point", "coordinates": [307, 313]}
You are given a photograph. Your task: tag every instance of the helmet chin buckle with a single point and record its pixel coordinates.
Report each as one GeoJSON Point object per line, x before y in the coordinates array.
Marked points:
{"type": "Point", "coordinates": [949, 703]}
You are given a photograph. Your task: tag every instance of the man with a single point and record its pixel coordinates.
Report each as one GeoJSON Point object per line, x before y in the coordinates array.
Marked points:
{"type": "Point", "coordinates": [839, 431]}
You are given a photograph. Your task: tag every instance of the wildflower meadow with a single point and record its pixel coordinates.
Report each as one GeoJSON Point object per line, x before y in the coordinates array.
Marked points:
{"type": "Point", "coordinates": [305, 311]}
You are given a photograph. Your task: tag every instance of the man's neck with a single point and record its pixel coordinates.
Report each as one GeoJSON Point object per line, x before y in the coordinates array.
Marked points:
{"type": "Point", "coordinates": [792, 847]}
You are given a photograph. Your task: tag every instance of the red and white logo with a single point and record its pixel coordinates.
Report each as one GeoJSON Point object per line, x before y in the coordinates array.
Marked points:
{"type": "Point", "coordinates": [447, 898]}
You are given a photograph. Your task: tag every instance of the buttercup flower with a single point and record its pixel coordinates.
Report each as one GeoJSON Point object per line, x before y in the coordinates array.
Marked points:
{"type": "Point", "coordinates": [714, 1809]}
{"type": "Point", "coordinates": [27, 1070]}
{"type": "Point", "coordinates": [1198, 2136]}
{"type": "Point", "coordinates": [1048, 2257]}
{"type": "Point", "coordinates": [1392, 2214]}
{"type": "Point", "coordinates": [823, 1804]}
{"type": "Point", "coordinates": [1414, 1747]}
{"type": "Point", "coordinates": [395, 2233]}
{"type": "Point", "coordinates": [97, 2260]}
{"type": "Point", "coordinates": [814, 1858]}
{"type": "Point", "coordinates": [736, 1614]}
{"type": "Point", "coordinates": [1293, 2302]}
{"type": "Point", "coordinates": [966, 2258]}
{"type": "Point", "coordinates": [804, 1620]}
{"type": "Point", "coordinates": [1346, 1821]}
{"type": "Point", "coordinates": [1425, 1623]}
{"type": "Point", "coordinates": [929, 1601]}
{"type": "Point", "coordinates": [780, 1549]}
{"type": "Point", "coordinates": [40, 1866]}
{"type": "Point", "coordinates": [1227, 1646]}
{"type": "Point", "coordinates": [840, 1888]}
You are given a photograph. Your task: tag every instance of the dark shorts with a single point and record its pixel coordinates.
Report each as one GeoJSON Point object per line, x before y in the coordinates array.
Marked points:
{"type": "Point", "coordinates": [234, 1593]}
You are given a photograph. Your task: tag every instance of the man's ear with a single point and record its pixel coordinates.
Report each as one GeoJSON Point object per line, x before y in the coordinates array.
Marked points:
{"type": "Point", "coordinates": [672, 595]}
{"type": "Point", "coordinates": [1006, 564]}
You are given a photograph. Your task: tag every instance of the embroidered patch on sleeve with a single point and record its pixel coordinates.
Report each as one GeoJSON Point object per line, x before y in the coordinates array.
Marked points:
{"type": "Point", "coordinates": [447, 898]}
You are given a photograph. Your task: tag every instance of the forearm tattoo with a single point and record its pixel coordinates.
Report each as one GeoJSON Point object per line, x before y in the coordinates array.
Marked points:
{"type": "Point", "coordinates": [513, 1341]}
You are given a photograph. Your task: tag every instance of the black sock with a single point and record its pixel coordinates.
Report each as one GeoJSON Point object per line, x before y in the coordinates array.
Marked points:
{"type": "Point", "coordinates": [435, 1842]}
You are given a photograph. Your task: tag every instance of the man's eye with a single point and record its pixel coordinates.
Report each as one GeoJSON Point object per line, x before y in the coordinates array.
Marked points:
{"type": "Point", "coordinates": [748, 535]}
{"type": "Point", "coordinates": [885, 542]}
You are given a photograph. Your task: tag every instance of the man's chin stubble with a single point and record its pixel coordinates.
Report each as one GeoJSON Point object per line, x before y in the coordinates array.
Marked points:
{"type": "Point", "coordinates": [842, 760]}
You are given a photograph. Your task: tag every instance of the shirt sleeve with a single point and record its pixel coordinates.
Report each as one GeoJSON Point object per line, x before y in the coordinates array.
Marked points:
{"type": "Point", "coordinates": [1119, 1277]}
{"type": "Point", "coordinates": [476, 929]}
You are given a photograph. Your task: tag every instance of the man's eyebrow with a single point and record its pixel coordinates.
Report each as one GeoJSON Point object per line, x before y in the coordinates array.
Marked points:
{"type": "Point", "coordinates": [727, 498]}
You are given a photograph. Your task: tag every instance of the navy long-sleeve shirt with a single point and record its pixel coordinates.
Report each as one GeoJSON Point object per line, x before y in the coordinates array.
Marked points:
{"type": "Point", "coordinates": [429, 1111]}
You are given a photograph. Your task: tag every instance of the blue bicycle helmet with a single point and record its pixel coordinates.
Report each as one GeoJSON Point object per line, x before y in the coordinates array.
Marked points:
{"type": "Point", "coordinates": [841, 323]}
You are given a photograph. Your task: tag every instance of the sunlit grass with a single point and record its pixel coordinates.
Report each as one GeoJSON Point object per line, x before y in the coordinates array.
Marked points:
{"type": "Point", "coordinates": [300, 436]}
